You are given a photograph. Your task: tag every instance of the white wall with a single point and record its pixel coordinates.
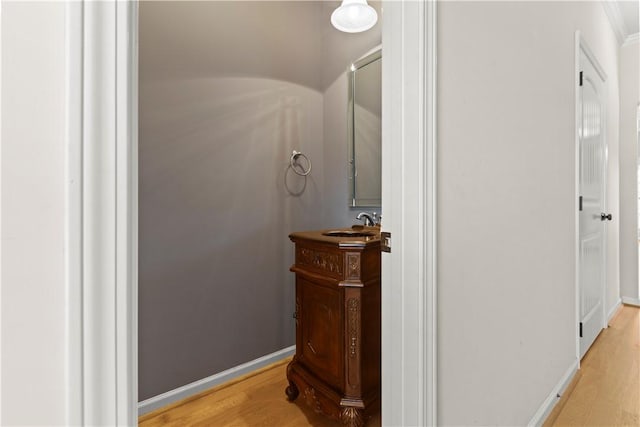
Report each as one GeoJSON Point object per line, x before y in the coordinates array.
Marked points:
{"type": "Point", "coordinates": [629, 101]}
{"type": "Point", "coordinates": [506, 215]}
{"type": "Point", "coordinates": [33, 214]}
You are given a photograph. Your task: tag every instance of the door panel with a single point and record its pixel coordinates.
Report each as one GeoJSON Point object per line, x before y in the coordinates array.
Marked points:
{"type": "Point", "coordinates": [320, 341]}
{"type": "Point", "coordinates": [592, 190]}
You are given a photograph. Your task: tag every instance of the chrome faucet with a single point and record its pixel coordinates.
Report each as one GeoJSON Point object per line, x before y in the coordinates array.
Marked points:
{"type": "Point", "coordinates": [367, 218]}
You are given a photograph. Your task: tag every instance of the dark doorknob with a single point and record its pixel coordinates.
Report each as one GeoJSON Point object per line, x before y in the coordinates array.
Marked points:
{"type": "Point", "coordinates": [604, 216]}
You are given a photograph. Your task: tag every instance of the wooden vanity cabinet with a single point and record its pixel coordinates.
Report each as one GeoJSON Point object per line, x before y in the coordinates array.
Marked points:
{"type": "Point", "coordinates": [336, 368]}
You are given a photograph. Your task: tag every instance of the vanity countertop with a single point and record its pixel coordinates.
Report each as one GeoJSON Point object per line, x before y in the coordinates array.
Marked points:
{"type": "Point", "coordinates": [349, 237]}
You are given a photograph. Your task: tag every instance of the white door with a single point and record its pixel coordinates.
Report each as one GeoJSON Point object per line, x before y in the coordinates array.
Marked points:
{"type": "Point", "coordinates": [592, 216]}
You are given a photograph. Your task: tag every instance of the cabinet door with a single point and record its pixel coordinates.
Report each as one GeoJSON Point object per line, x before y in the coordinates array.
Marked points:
{"type": "Point", "coordinates": [321, 331]}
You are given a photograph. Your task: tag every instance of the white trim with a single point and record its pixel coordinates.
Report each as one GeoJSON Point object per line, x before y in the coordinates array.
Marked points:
{"type": "Point", "coordinates": [126, 211]}
{"type": "Point", "coordinates": [1, 233]}
{"type": "Point", "coordinates": [101, 198]}
{"type": "Point", "coordinates": [73, 234]}
{"type": "Point", "coordinates": [612, 10]}
{"type": "Point", "coordinates": [431, 295]}
{"type": "Point", "coordinates": [613, 310]}
{"type": "Point", "coordinates": [199, 386]}
{"type": "Point", "coordinates": [631, 39]}
{"type": "Point", "coordinates": [556, 393]}
{"type": "Point", "coordinates": [99, 220]}
{"type": "Point", "coordinates": [576, 198]}
{"type": "Point", "coordinates": [409, 364]}
{"type": "Point", "coordinates": [605, 180]}
{"type": "Point", "coordinates": [592, 58]}
{"type": "Point", "coordinates": [631, 301]}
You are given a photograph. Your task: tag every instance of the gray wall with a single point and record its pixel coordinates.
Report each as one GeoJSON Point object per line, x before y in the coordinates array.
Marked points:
{"type": "Point", "coordinates": [339, 51]}
{"type": "Point", "coordinates": [227, 91]}
{"type": "Point", "coordinates": [629, 101]}
{"type": "Point", "coordinates": [506, 285]}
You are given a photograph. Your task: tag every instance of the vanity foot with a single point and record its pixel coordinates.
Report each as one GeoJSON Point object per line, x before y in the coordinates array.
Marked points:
{"type": "Point", "coordinates": [292, 392]}
{"type": "Point", "coordinates": [352, 417]}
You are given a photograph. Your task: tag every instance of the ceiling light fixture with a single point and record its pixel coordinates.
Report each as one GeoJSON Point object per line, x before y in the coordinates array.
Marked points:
{"type": "Point", "coordinates": [354, 16]}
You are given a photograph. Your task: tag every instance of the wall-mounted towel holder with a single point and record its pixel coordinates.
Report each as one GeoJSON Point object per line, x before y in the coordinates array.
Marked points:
{"type": "Point", "coordinates": [299, 169]}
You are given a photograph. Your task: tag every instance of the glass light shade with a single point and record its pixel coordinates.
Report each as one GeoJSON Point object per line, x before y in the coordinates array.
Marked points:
{"type": "Point", "coordinates": [354, 16]}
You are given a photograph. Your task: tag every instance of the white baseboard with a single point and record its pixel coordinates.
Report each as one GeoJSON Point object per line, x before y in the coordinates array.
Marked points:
{"type": "Point", "coordinates": [196, 387]}
{"type": "Point", "coordinates": [631, 301]}
{"type": "Point", "coordinates": [547, 406]}
{"type": "Point", "coordinates": [613, 310]}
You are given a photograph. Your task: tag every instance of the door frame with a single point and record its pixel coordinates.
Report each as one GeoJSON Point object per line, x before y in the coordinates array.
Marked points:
{"type": "Point", "coordinates": [409, 297]}
{"type": "Point", "coordinates": [581, 45]}
{"type": "Point", "coordinates": [637, 187]}
{"type": "Point", "coordinates": [102, 228]}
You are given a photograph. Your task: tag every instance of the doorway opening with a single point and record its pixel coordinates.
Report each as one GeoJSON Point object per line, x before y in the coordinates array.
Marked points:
{"type": "Point", "coordinates": [243, 139]}
{"type": "Point", "coordinates": [103, 74]}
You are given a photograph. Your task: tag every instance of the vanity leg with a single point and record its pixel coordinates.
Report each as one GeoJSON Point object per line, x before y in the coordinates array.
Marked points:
{"type": "Point", "coordinates": [292, 391]}
{"type": "Point", "coordinates": [352, 417]}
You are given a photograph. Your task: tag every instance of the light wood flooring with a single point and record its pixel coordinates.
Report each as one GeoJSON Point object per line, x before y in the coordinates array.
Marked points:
{"type": "Point", "coordinates": [606, 389]}
{"type": "Point", "coordinates": [604, 392]}
{"type": "Point", "coordinates": [257, 399]}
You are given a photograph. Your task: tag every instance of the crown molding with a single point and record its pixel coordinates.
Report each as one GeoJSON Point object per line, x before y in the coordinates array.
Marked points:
{"type": "Point", "coordinates": [632, 39]}
{"type": "Point", "coordinates": [612, 10]}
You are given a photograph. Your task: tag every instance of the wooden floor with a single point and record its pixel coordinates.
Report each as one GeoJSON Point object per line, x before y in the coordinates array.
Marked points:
{"type": "Point", "coordinates": [604, 392]}
{"type": "Point", "coordinates": [607, 387]}
{"type": "Point", "coordinates": [255, 400]}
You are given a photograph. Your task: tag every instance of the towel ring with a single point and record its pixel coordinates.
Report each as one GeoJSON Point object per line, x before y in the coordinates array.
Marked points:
{"type": "Point", "coordinates": [294, 160]}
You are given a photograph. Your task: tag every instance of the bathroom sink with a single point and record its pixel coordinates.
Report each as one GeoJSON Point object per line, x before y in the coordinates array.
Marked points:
{"type": "Point", "coordinates": [348, 233]}
{"type": "Point", "coordinates": [356, 237]}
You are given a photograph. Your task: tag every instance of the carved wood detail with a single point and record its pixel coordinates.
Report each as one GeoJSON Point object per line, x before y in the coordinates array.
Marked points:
{"type": "Point", "coordinates": [311, 399]}
{"type": "Point", "coordinates": [353, 343]}
{"type": "Point", "coordinates": [297, 313]}
{"type": "Point", "coordinates": [327, 261]}
{"type": "Point", "coordinates": [352, 417]}
{"type": "Point", "coordinates": [353, 266]}
{"type": "Point", "coordinates": [354, 314]}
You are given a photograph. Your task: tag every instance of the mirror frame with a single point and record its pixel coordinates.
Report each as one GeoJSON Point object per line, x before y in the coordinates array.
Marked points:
{"type": "Point", "coordinates": [367, 59]}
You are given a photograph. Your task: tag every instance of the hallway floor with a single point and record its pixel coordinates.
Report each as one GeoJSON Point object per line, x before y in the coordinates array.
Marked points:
{"type": "Point", "coordinates": [607, 387]}
{"type": "Point", "coordinates": [605, 391]}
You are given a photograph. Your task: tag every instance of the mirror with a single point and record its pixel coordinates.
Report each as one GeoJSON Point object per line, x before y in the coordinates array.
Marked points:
{"type": "Point", "coordinates": [365, 131]}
